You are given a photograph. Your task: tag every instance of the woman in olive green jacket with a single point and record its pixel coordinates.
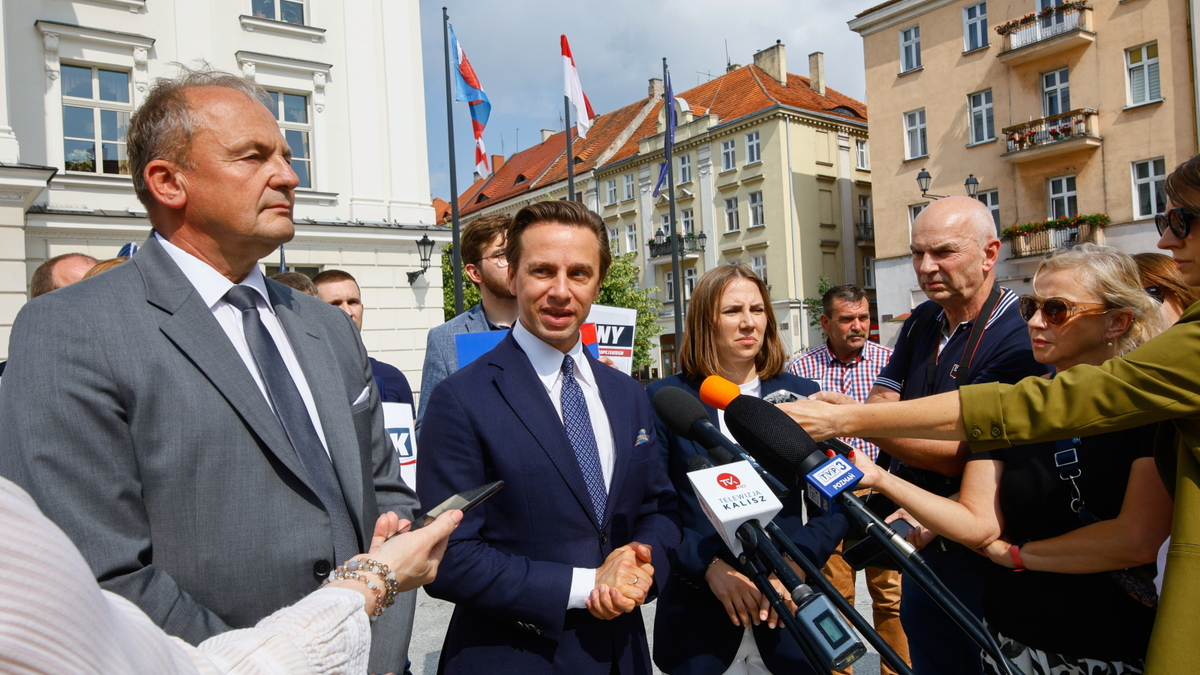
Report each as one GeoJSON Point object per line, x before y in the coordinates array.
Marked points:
{"type": "Point", "coordinates": [1157, 382]}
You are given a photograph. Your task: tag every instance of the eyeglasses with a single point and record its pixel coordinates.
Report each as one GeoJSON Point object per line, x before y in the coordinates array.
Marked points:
{"type": "Point", "coordinates": [498, 260]}
{"type": "Point", "coordinates": [1178, 219]}
{"type": "Point", "coordinates": [1056, 311]}
{"type": "Point", "coordinates": [1157, 292]}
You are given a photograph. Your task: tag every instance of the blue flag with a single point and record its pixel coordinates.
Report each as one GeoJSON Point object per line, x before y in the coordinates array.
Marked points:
{"type": "Point", "coordinates": [669, 139]}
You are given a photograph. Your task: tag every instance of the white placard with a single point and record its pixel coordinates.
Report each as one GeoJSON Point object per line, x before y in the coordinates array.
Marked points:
{"type": "Point", "coordinates": [614, 334]}
{"type": "Point", "coordinates": [398, 420]}
{"type": "Point", "coordinates": [732, 494]}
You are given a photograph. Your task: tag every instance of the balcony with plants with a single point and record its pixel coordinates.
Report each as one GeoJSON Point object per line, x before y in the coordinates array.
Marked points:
{"type": "Point", "coordinates": [1054, 135]}
{"type": "Point", "coordinates": [1043, 236]}
{"type": "Point", "coordinates": [1049, 31]}
{"type": "Point", "coordinates": [690, 244]}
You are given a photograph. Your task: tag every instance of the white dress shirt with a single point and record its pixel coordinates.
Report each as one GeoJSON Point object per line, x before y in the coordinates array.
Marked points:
{"type": "Point", "coordinates": [547, 363]}
{"type": "Point", "coordinates": [212, 287]}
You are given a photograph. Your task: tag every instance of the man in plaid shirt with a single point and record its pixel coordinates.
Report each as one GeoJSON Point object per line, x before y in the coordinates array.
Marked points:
{"type": "Point", "coordinates": [848, 364]}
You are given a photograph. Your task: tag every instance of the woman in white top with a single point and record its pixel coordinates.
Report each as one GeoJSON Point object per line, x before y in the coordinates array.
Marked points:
{"type": "Point", "coordinates": [56, 620]}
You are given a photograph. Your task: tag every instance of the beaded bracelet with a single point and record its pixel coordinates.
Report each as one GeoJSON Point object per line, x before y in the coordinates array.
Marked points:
{"type": "Point", "coordinates": [383, 571]}
{"type": "Point", "coordinates": [342, 573]}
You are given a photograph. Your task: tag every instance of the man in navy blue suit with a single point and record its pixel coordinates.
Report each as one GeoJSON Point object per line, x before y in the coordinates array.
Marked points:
{"type": "Point", "coordinates": [549, 573]}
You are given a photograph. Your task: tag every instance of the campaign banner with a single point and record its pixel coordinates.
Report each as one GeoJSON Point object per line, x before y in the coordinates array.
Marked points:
{"type": "Point", "coordinates": [614, 334]}
{"type": "Point", "coordinates": [398, 421]}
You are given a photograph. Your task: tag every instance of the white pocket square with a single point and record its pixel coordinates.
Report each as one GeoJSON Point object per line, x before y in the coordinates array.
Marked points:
{"type": "Point", "coordinates": [366, 393]}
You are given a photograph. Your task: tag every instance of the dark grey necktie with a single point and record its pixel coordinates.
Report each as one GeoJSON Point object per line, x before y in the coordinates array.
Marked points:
{"type": "Point", "coordinates": [293, 417]}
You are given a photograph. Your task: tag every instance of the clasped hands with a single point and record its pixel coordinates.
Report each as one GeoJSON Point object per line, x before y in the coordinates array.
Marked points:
{"type": "Point", "coordinates": [622, 582]}
{"type": "Point", "coordinates": [744, 602]}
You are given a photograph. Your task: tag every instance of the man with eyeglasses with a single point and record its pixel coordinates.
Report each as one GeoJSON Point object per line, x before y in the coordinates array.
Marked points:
{"type": "Point", "coordinates": [482, 244]}
{"type": "Point", "coordinates": [969, 331]}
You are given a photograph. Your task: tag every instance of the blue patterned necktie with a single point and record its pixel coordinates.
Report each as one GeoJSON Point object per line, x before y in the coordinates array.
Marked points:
{"type": "Point", "coordinates": [297, 425]}
{"type": "Point", "coordinates": [578, 424]}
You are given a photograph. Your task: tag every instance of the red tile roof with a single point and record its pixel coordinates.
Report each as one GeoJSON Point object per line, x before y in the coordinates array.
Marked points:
{"type": "Point", "coordinates": [739, 93]}
{"type": "Point", "coordinates": [441, 210]}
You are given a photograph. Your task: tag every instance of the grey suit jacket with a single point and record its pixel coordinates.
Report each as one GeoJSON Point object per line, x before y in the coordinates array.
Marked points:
{"type": "Point", "coordinates": [441, 354]}
{"type": "Point", "coordinates": [137, 428]}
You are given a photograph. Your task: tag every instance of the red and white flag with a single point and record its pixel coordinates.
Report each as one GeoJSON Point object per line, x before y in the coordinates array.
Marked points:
{"type": "Point", "coordinates": [574, 91]}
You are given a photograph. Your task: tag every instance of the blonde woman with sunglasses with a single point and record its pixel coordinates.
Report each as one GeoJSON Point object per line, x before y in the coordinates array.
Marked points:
{"type": "Point", "coordinates": [1157, 382]}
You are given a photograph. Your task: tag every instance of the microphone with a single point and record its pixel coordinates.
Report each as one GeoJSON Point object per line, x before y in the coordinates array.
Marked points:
{"type": "Point", "coordinates": [731, 496]}
{"type": "Point", "coordinates": [719, 392]}
{"type": "Point", "coordinates": [687, 418]}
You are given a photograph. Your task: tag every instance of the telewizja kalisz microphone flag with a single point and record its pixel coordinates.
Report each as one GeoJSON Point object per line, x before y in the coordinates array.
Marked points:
{"type": "Point", "coordinates": [668, 139]}
{"type": "Point", "coordinates": [574, 91]}
{"type": "Point", "coordinates": [467, 88]}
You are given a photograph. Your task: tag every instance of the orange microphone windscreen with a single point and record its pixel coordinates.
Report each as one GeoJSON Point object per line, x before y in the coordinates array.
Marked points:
{"type": "Point", "coordinates": [718, 391]}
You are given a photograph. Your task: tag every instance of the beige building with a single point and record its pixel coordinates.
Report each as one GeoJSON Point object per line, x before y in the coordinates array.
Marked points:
{"type": "Point", "coordinates": [1056, 108]}
{"type": "Point", "coordinates": [349, 99]}
{"type": "Point", "coordinates": [771, 169]}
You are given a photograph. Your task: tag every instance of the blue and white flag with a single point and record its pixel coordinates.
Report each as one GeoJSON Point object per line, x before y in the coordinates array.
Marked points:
{"type": "Point", "coordinates": [669, 139]}
{"type": "Point", "coordinates": [467, 88]}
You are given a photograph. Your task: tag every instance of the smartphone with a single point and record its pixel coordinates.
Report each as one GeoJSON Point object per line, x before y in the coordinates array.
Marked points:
{"type": "Point", "coordinates": [464, 501]}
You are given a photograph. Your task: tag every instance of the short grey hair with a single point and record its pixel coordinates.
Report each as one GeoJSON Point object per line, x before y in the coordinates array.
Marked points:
{"type": "Point", "coordinates": [163, 127]}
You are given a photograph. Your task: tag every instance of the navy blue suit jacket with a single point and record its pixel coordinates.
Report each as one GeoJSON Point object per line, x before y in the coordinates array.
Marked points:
{"type": "Point", "coordinates": [509, 565]}
{"type": "Point", "coordinates": [692, 632]}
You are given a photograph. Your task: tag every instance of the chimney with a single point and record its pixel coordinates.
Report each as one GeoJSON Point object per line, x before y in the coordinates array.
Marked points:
{"type": "Point", "coordinates": [816, 72]}
{"type": "Point", "coordinates": [773, 62]}
{"type": "Point", "coordinates": [497, 162]}
{"type": "Point", "coordinates": [546, 134]}
{"type": "Point", "coordinates": [730, 67]}
{"type": "Point", "coordinates": [656, 87]}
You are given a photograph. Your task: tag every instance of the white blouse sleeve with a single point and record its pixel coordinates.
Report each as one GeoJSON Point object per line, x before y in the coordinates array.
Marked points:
{"type": "Point", "coordinates": [56, 619]}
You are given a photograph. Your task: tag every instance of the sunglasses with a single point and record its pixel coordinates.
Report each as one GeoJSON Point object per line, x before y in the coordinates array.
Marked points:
{"type": "Point", "coordinates": [1056, 311]}
{"type": "Point", "coordinates": [1157, 292]}
{"type": "Point", "coordinates": [1178, 219]}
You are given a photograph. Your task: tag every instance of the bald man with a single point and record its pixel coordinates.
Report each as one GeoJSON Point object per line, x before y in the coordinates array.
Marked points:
{"type": "Point", "coordinates": [61, 270]}
{"type": "Point", "coordinates": [971, 331]}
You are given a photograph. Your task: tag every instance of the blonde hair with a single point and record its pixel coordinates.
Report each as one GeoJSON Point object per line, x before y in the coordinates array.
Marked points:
{"type": "Point", "coordinates": [699, 355]}
{"type": "Point", "coordinates": [104, 266]}
{"type": "Point", "coordinates": [1112, 276]}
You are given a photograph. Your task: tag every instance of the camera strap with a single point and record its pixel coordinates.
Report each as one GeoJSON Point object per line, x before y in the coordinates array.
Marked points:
{"type": "Point", "coordinates": [960, 372]}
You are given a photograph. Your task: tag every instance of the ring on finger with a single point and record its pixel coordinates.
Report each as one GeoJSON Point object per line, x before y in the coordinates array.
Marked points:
{"type": "Point", "coordinates": [635, 581]}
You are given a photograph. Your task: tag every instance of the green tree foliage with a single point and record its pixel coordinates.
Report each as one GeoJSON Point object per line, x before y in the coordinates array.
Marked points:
{"type": "Point", "coordinates": [620, 289]}
{"type": "Point", "coordinates": [470, 290]}
{"type": "Point", "coordinates": [814, 306]}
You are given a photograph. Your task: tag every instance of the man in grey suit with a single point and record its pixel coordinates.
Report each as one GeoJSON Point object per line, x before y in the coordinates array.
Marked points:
{"type": "Point", "coordinates": [212, 441]}
{"type": "Point", "coordinates": [482, 242]}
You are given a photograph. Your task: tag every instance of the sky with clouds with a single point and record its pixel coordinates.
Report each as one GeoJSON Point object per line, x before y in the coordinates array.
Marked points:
{"type": "Point", "coordinates": [618, 46]}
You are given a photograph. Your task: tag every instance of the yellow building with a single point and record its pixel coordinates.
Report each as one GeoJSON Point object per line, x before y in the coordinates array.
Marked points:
{"type": "Point", "coordinates": [771, 169]}
{"type": "Point", "coordinates": [1056, 108]}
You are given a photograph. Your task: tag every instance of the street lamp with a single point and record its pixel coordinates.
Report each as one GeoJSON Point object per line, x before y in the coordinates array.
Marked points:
{"type": "Point", "coordinates": [700, 239]}
{"type": "Point", "coordinates": [425, 249]}
{"type": "Point", "coordinates": [923, 180]}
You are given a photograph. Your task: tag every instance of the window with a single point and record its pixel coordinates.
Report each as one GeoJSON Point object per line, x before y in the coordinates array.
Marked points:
{"type": "Point", "coordinates": [1149, 176]}
{"type": "Point", "coordinates": [756, 210]}
{"type": "Point", "coordinates": [1056, 93]}
{"type": "Point", "coordinates": [864, 209]}
{"type": "Point", "coordinates": [611, 191]}
{"type": "Point", "coordinates": [975, 27]}
{"type": "Point", "coordinates": [685, 169]}
{"type": "Point", "coordinates": [1062, 197]}
{"type": "Point", "coordinates": [292, 112]}
{"type": "Point", "coordinates": [628, 186]}
{"type": "Point", "coordinates": [731, 215]}
{"type": "Point", "coordinates": [95, 100]}
{"type": "Point", "coordinates": [728, 156]}
{"type": "Point", "coordinates": [1143, 74]}
{"type": "Point", "coordinates": [914, 134]}
{"type": "Point", "coordinates": [914, 210]}
{"type": "Point", "coordinates": [689, 221]}
{"type": "Point", "coordinates": [758, 263]}
{"type": "Point", "coordinates": [631, 243]}
{"type": "Point", "coordinates": [991, 199]}
{"type": "Point", "coordinates": [910, 49]}
{"type": "Point", "coordinates": [289, 11]}
{"type": "Point", "coordinates": [666, 224]}
{"type": "Point", "coordinates": [669, 285]}
{"type": "Point", "coordinates": [868, 271]}
{"type": "Point", "coordinates": [983, 127]}
{"type": "Point", "coordinates": [753, 153]}
{"type": "Point", "coordinates": [862, 159]}
{"type": "Point", "coordinates": [689, 282]}
{"type": "Point", "coordinates": [614, 241]}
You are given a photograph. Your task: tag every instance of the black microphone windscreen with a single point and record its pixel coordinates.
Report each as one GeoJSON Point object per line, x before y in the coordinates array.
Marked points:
{"type": "Point", "coordinates": [698, 463]}
{"type": "Point", "coordinates": [769, 435]}
{"type": "Point", "coordinates": [679, 410]}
